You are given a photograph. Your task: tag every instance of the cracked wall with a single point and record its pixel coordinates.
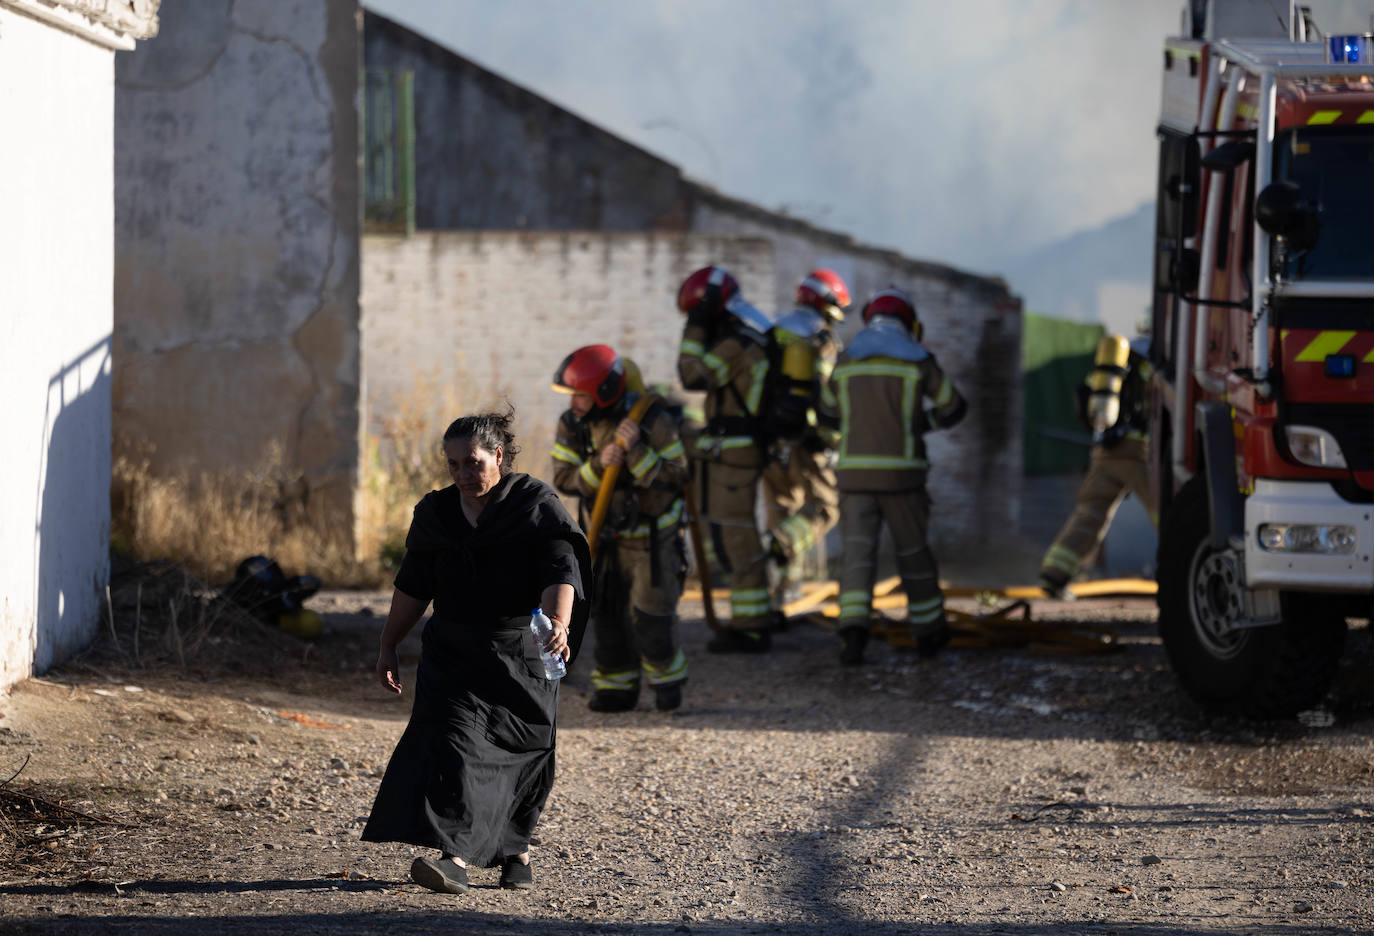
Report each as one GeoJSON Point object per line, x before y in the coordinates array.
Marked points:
{"type": "Point", "coordinates": [236, 341]}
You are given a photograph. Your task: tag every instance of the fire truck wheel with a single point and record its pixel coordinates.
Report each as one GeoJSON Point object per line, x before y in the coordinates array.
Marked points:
{"type": "Point", "coordinates": [1264, 672]}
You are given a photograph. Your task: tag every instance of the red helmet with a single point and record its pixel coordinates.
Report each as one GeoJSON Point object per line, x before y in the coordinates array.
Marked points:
{"type": "Point", "coordinates": [892, 301]}
{"type": "Point", "coordinates": [824, 291]}
{"type": "Point", "coordinates": [595, 370]}
{"type": "Point", "coordinates": [700, 286]}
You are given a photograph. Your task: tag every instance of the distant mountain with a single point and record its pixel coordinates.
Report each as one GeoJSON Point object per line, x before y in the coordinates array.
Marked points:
{"type": "Point", "coordinates": [1102, 274]}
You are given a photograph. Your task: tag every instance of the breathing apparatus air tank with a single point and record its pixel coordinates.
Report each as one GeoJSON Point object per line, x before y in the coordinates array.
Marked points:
{"type": "Point", "coordinates": [1105, 382]}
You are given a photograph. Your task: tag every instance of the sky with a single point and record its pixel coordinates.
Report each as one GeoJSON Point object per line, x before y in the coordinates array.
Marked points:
{"type": "Point", "coordinates": [966, 132]}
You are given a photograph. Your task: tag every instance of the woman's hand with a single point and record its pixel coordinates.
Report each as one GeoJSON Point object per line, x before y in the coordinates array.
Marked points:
{"type": "Point", "coordinates": [612, 454]}
{"type": "Point", "coordinates": [389, 669]}
{"type": "Point", "coordinates": [558, 643]}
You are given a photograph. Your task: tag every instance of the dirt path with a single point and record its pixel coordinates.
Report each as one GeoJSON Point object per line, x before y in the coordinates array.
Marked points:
{"type": "Point", "coordinates": [990, 791]}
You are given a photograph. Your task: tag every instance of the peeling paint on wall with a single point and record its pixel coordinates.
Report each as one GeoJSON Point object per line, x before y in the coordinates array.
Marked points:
{"type": "Point", "coordinates": [236, 280]}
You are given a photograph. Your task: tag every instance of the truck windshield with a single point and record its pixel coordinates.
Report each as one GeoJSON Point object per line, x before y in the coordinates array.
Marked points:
{"type": "Point", "coordinates": [1335, 168]}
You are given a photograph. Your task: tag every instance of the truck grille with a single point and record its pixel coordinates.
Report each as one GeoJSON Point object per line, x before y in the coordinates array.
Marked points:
{"type": "Point", "coordinates": [1352, 425]}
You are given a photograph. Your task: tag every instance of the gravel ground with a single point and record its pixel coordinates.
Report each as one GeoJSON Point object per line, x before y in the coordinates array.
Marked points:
{"type": "Point", "coordinates": [987, 791]}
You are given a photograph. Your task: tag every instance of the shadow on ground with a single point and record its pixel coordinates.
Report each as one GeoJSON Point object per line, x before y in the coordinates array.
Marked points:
{"type": "Point", "coordinates": [455, 921]}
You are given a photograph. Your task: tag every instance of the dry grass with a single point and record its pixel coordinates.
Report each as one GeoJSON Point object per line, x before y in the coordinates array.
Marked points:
{"type": "Point", "coordinates": [160, 614]}
{"type": "Point", "coordinates": [42, 832]}
{"type": "Point", "coordinates": [212, 520]}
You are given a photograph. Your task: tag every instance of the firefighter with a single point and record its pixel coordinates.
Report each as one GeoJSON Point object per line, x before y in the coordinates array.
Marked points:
{"type": "Point", "coordinates": [724, 352]}
{"type": "Point", "coordinates": [877, 390]}
{"type": "Point", "coordinates": [1113, 404]}
{"type": "Point", "coordinates": [637, 574]}
{"type": "Point", "coordinates": [801, 503]}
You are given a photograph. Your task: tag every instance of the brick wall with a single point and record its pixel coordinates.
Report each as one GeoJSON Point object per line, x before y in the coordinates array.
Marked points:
{"type": "Point", "coordinates": [457, 322]}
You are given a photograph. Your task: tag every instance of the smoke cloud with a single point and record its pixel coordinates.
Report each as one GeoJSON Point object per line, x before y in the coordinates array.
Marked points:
{"type": "Point", "coordinates": [966, 132]}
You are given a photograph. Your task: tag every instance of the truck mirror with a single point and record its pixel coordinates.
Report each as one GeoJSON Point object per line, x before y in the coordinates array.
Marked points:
{"type": "Point", "coordinates": [1229, 155]}
{"type": "Point", "coordinates": [1282, 210]}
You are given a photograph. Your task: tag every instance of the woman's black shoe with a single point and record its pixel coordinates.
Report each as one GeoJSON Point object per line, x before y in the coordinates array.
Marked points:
{"type": "Point", "coordinates": [516, 876]}
{"type": "Point", "coordinates": [443, 875]}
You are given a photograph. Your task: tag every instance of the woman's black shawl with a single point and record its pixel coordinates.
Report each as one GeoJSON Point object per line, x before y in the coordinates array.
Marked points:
{"type": "Point", "coordinates": [474, 767]}
{"type": "Point", "coordinates": [518, 505]}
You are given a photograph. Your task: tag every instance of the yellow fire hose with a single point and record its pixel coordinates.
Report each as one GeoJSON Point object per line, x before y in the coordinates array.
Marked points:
{"type": "Point", "coordinates": [1009, 625]}
{"type": "Point", "coordinates": [612, 474]}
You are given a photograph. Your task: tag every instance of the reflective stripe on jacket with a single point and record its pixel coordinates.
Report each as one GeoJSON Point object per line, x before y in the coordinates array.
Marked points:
{"type": "Point", "coordinates": [880, 405]}
{"type": "Point", "coordinates": [732, 370]}
{"type": "Point", "coordinates": [654, 471]}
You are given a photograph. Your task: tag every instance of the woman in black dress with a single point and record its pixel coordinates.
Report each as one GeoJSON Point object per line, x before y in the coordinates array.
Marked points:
{"type": "Point", "coordinates": [474, 767]}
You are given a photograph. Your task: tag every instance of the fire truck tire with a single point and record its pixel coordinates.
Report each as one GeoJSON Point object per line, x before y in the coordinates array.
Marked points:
{"type": "Point", "coordinates": [1264, 672]}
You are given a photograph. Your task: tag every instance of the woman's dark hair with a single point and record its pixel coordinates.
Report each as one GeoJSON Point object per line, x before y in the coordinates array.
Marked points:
{"type": "Point", "coordinates": [488, 431]}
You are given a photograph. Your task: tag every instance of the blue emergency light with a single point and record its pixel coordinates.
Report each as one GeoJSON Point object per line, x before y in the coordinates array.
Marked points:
{"type": "Point", "coordinates": [1352, 49]}
{"type": "Point", "coordinates": [1340, 365]}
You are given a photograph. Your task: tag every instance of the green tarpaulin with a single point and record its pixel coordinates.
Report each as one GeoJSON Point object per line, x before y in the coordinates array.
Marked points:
{"type": "Point", "coordinates": [1056, 355]}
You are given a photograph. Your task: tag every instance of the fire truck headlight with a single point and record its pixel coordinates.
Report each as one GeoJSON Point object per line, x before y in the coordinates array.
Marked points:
{"type": "Point", "coordinates": [1315, 447]}
{"type": "Point", "coordinates": [1327, 539]}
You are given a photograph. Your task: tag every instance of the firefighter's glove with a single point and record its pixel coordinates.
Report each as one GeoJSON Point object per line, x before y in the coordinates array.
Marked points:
{"type": "Point", "coordinates": [812, 442]}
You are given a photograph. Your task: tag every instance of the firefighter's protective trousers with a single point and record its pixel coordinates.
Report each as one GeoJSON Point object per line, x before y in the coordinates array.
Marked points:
{"type": "Point", "coordinates": [907, 515]}
{"type": "Point", "coordinates": [729, 361]}
{"type": "Point", "coordinates": [802, 503]}
{"type": "Point", "coordinates": [633, 615]}
{"type": "Point", "coordinates": [728, 496]}
{"type": "Point", "coordinates": [1111, 473]}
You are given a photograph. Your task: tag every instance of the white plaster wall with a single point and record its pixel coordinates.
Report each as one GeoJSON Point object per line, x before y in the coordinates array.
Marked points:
{"type": "Point", "coordinates": [470, 320]}
{"type": "Point", "coordinates": [56, 270]}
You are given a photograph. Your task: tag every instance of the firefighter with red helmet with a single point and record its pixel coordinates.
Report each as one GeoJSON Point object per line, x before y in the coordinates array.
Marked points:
{"type": "Point", "coordinates": [801, 501]}
{"type": "Point", "coordinates": [724, 352]}
{"type": "Point", "coordinates": [637, 574]}
{"type": "Point", "coordinates": [879, 391]}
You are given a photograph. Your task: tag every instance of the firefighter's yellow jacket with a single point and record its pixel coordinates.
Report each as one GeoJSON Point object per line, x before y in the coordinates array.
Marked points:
{"type": "Point", "coordinates": [732, 369]}
{"type": "Point", "coordinates": [650, 482]}
{"type": "Point", "coordinates": [878, 392]}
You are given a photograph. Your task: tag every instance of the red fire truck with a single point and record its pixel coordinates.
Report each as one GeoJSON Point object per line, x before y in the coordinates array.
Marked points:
{"type": "Point", "coordinates": [1263, 326]}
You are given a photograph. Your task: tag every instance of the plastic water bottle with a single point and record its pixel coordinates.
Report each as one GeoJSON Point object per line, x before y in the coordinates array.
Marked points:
{"type": "Point", "coordinates": [542, 629]}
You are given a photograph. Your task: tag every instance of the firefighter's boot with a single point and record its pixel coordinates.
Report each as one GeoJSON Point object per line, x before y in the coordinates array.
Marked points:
{"type": "Point", "coordinates": [854, 640]}
{"type": "Point", "coordinates": [1055, 584]}
{"type": "Point", "coordinates": [669, 697]}
{"type": "Point", "coordinates": [929, 644]}
{"type": "Point", "coordinates": [740, 641]}
{"type": "Point", "coordinates": [613, 700]}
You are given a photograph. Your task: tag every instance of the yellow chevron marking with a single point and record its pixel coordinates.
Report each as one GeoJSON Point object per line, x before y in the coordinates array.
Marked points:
{"type": "Point", "coordinates": [1366, 117]}
{"type": "Point", "coordinates": [1323, 117]}
{"type": "Point", "coordinates": [1327, 342]}
{"type": "Point", "coordinates": [1368, 357]}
